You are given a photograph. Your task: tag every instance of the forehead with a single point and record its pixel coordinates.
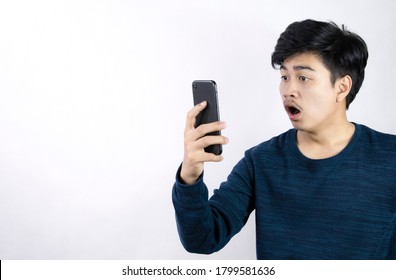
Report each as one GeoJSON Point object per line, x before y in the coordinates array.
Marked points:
{"type": "Point", "coordinates": [304, 61]}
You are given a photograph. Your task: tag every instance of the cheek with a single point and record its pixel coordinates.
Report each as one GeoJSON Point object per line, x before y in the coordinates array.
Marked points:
{"type": "Point", "coordinates": [320, 102]}
{"type": "Point", "coordinates": [281, 90]}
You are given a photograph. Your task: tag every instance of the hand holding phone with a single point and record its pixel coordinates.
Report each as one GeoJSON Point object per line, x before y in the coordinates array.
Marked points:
{"type": "Point", "coordinates": [207, 91]}
{"type": "Point", "coordinates": [202, 139]}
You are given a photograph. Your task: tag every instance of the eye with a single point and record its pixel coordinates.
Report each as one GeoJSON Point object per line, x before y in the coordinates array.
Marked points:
{"type": "Point", "coordinates": [284, 78]}
{"type": "Point", "coordinates": [303, 78]}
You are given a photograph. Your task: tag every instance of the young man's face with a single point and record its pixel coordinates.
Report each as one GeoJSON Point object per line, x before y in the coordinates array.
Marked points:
{"type": "Point", "coordinates": [309, 97]}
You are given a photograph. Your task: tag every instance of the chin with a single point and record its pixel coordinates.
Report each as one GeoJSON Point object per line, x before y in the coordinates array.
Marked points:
{"type": "Point", "coordinates": [300, 126]}
{"type": "Point", "coordinates": [297, 125]}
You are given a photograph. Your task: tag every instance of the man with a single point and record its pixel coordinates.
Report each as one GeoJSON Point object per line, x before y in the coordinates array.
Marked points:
{"type": "Point", "coordinates": [325, 189]}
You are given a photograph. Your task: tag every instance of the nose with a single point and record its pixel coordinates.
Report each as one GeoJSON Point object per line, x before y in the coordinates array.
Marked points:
{"type": "Point", "coordinates": [288, 89]}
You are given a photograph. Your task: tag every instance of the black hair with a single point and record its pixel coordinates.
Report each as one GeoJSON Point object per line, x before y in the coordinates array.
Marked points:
{"type": "Point", "coordinates": [342, 52]}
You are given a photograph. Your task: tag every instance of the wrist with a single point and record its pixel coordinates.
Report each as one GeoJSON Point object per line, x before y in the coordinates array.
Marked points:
{"type": "Point", "coordinates": [187, 180]}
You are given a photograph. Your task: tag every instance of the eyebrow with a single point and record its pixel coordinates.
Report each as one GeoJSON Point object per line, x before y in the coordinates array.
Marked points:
{"type": "Point", "coordinates": [298, 67]}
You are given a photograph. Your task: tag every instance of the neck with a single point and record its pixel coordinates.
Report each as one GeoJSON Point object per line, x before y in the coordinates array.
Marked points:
{"type": "Point", "coordinates": [327, 142]}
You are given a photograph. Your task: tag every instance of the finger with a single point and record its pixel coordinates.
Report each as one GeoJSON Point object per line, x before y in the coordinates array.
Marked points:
{"type": "Point", "coordinates": [208, 157]}
{"type": "Point", "coordinates": [213, 158]}
{"type": "Point", "coordinates": [206, 141]}
{"type": "Point", "coordinates": [193, 113]}
{"type": "Point", "coordinates": [204, 129]}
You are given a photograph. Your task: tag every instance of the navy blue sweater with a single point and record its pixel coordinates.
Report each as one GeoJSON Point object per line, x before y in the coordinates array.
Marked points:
{"type": "Point", "coordinates": [343, 207]}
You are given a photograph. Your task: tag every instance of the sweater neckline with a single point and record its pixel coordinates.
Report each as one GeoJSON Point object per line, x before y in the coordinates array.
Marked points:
{"type": "Point", "coordinates": [326, 161]}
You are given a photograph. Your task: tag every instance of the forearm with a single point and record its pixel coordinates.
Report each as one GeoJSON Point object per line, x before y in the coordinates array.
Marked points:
{"type": "Point", "coordinates": [194, 217]}
{"type": "Point", "coordinates": [205, 226]}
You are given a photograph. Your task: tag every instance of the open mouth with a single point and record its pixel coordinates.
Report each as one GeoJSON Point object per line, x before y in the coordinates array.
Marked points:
{"type": "Point", "coordinates": [293, 110]}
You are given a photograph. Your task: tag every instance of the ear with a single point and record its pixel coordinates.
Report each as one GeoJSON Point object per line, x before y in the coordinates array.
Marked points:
{"type": "Point", "coordinates": [344, 85]}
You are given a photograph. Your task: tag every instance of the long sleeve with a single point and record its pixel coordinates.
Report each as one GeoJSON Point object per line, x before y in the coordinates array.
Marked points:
{"type": "Point", "coordinates": [205, 226]}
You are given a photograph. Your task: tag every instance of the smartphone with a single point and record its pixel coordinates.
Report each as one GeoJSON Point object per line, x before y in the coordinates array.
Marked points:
{"type": "Point", "coordinates": [206, 90]}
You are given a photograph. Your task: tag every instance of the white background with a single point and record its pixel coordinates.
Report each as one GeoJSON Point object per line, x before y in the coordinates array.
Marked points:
{"type": "Point", "coordinates": [93, 98]}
